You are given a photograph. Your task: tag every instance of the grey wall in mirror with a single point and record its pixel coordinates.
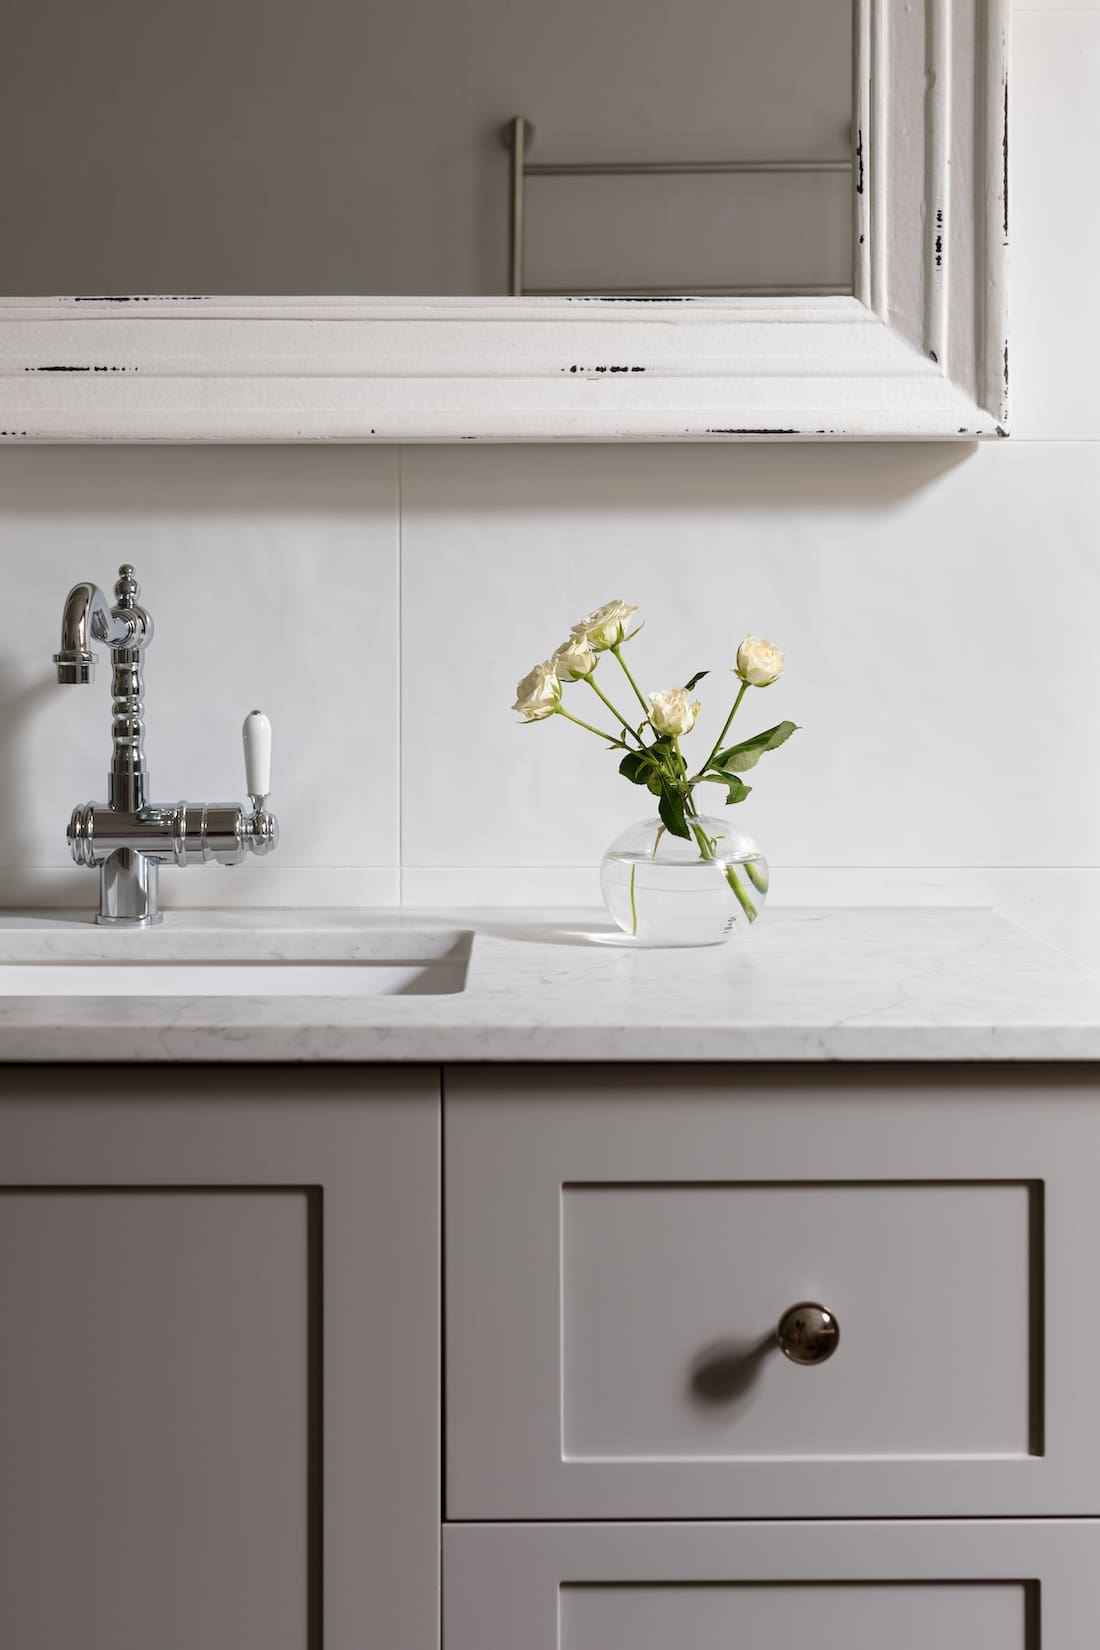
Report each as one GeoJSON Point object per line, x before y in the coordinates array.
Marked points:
{"type": "Point", "coordinates": [271, 147]}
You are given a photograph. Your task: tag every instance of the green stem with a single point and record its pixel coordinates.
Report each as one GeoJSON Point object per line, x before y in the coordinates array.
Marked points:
{"type": "Point", "coordinates": [642, 700]}
{"type": "Point", "coordinates": [633, 906]}
{"type": "Point", "coordinates": [657, 840]}
{"type": "Point", "coordinates": [706, 846]}
{"type": "Point", "coordinates": [611, 738]}
{"type": "Point", "coordinates": [742, 897]}
{"type": "Point", "coordinates": [706, 849]}
{"type": "Point", "coordinates": [760, 883]}
{"type": "Point", "coordinates": [617, 714]}
{"type": "Point", "coordinates": [720, 741]}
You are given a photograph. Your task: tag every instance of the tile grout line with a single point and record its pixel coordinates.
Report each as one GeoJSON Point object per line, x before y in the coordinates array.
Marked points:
{"type": "Point", "coordinates": [400, 675]}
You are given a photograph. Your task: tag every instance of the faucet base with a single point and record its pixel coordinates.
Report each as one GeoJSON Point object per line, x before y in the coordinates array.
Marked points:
{"type": "Point", "coordinates": [129, 922]}
{"type": "Point", "coordinates": [128, 890]}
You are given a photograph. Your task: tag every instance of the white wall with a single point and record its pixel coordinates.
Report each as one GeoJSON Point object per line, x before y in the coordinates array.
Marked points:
{"type": "Point", "coordinates": [939, 607]}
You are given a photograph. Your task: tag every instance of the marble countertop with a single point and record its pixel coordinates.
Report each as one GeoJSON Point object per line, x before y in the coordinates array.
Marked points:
{"type": "Point", "coordinates": [807, 985]}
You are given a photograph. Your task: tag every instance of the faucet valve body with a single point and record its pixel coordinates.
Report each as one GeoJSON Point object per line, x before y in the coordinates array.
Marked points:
{"type": "Point", "coordinates": [187, 834]}
{"type": "Point", "coordinates": [128, 838]}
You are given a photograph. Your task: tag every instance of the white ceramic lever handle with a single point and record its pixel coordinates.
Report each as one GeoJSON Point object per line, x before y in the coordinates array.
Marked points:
{"type": "Point", "coordinates": [257, 753]}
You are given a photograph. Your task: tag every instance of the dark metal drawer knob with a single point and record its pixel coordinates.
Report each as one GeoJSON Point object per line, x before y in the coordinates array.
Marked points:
{"type": "Point", "coordinates": [807, 1333]}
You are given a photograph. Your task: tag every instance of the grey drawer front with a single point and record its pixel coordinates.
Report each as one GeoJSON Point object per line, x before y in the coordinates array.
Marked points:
{"type": "Point", "coordinates": [618, 1257]}
{"type": "Point", "coordinates": [769, 1586]}
{"type": "Point", "coordinates": [670, 1295]}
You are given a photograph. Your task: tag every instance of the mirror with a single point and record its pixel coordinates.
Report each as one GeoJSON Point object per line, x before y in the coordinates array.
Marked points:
{"type": "Point", "coordinates": [416, 147]}
{"type": "Point", "coordinates": [597, 220]}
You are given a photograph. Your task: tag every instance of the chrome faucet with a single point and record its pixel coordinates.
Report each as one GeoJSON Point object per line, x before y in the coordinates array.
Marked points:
{"type": "Point", "coordinates": [129, 839]}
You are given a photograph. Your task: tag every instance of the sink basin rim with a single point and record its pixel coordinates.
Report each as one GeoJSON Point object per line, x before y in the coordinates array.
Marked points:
{"type": "Point", "coordinates": [234, 978]}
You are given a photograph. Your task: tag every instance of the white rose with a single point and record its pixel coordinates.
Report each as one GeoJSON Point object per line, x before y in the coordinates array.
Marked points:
{"type": "Point", "coordinates": [574, 660]}
{"type": "Point", "coordinates": [672, 711]}
{"type": "Point", "coordinates": [606, 626]}
{"type": "Point", "coordinates": [539, 694]}
{"type": "Point", "coordinates": [758, 662]}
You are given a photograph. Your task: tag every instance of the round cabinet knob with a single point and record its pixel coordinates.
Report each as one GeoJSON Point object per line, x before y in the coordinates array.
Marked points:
{"type": "Point", "coordinates": [807, 1333]}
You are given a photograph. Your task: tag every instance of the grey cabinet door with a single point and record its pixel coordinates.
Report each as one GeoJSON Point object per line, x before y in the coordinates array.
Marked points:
{"type": "Point", "coordinates": [621, 1244]}
{"type": "Point", "coordinates": [219, 1363]}
{"type": "Point", "coordinates": [890, 1586]}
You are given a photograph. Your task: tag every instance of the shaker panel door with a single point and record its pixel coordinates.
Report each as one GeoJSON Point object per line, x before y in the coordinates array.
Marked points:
{"type": "Point", "coordinates": [154, 1417]}
{"type": "Point", "coordinates": [218, 1362]}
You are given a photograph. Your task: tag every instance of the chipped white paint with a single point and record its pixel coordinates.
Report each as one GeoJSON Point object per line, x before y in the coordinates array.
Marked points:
{"type": "Point", "coordinates": [920, 352]}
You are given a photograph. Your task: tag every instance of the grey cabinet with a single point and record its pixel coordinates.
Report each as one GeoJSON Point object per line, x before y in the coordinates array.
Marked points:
{"type": "Point", "coordinates": [219, 1361]}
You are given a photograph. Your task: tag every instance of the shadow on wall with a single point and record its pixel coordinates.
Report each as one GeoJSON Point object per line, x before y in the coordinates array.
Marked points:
{"type": "Point", "coordinates": [19, 708]}
{"type": "Point", "coordinates": [116, 480]}
{"type": "Point", "coordinates": [678, 478]}
{"type": "Point", "coordinates": [766, 475]}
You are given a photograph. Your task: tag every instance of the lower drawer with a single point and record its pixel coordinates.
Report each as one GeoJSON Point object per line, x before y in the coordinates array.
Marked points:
{"type": "Point", "coordinates": [863, 1586]}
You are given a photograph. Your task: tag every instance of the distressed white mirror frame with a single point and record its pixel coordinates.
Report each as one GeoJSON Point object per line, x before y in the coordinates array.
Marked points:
{"type": "Point", "coordinates": [920, 351]}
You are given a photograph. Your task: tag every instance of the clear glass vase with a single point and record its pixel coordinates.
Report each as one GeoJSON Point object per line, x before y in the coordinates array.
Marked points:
{"type": "Point", "coordinates": [665, 890]}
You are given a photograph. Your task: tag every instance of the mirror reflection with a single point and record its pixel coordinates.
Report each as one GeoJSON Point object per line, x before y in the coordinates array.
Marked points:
{"type": "Point", "coordinates": [411, 147]}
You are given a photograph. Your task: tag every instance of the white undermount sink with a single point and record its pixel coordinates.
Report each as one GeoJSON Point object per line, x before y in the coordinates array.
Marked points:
{"type": "Point", "coordinates": [406, 965]}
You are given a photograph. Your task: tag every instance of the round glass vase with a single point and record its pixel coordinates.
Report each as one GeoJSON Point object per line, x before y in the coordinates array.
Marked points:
{"type": "Point", "coordinates": [668, 890]}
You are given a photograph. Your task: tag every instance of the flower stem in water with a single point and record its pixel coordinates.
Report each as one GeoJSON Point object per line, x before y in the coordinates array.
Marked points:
{"type": "Point", "coordinates": [633, 906]}
{"type": "Point", "coordinates": [742, 897]}
{"type": "Point", "coordinates": [759, 881]}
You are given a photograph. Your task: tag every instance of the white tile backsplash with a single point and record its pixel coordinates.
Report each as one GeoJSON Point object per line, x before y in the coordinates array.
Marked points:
{"type": "Point", "coordinates": [930, 733]}
{"type": "Point", "coordinates": [262, 593]}
{"type": "Point", "coordinates": [938, 606]}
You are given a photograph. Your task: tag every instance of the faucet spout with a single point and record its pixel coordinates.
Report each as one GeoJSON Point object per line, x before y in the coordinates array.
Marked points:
{"type": "Point", "coordinates": [126, 630]}
{"type": "Point", "coordinates": [88, 617]}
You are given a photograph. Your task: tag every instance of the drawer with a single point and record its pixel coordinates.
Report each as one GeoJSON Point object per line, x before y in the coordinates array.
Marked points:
{"type": "Point", "coordinates": [904, 1585]}
{"type": "Point", "coordinates": [620, 1246]}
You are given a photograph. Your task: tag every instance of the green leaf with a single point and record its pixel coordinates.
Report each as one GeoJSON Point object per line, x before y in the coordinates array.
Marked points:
{"type": "Point", "coordinates": [641, 768]}
{"type": "Point", "coordinates": [667, 757]}
{"type": "Point", "coordinates": [636, 766]}
{"type": "Point", "coordinates": [736, 789]}
{"type": "Point", "coordinates": [671, 810]}
{"type": "Point", "coordinates": [695, 680]}
{"type": "Point", "coordinates": [740, 758]}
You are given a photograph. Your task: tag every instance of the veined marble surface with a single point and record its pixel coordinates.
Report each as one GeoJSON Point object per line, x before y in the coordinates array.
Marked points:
{"type": "Point", "coordinates": [550, 986]}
